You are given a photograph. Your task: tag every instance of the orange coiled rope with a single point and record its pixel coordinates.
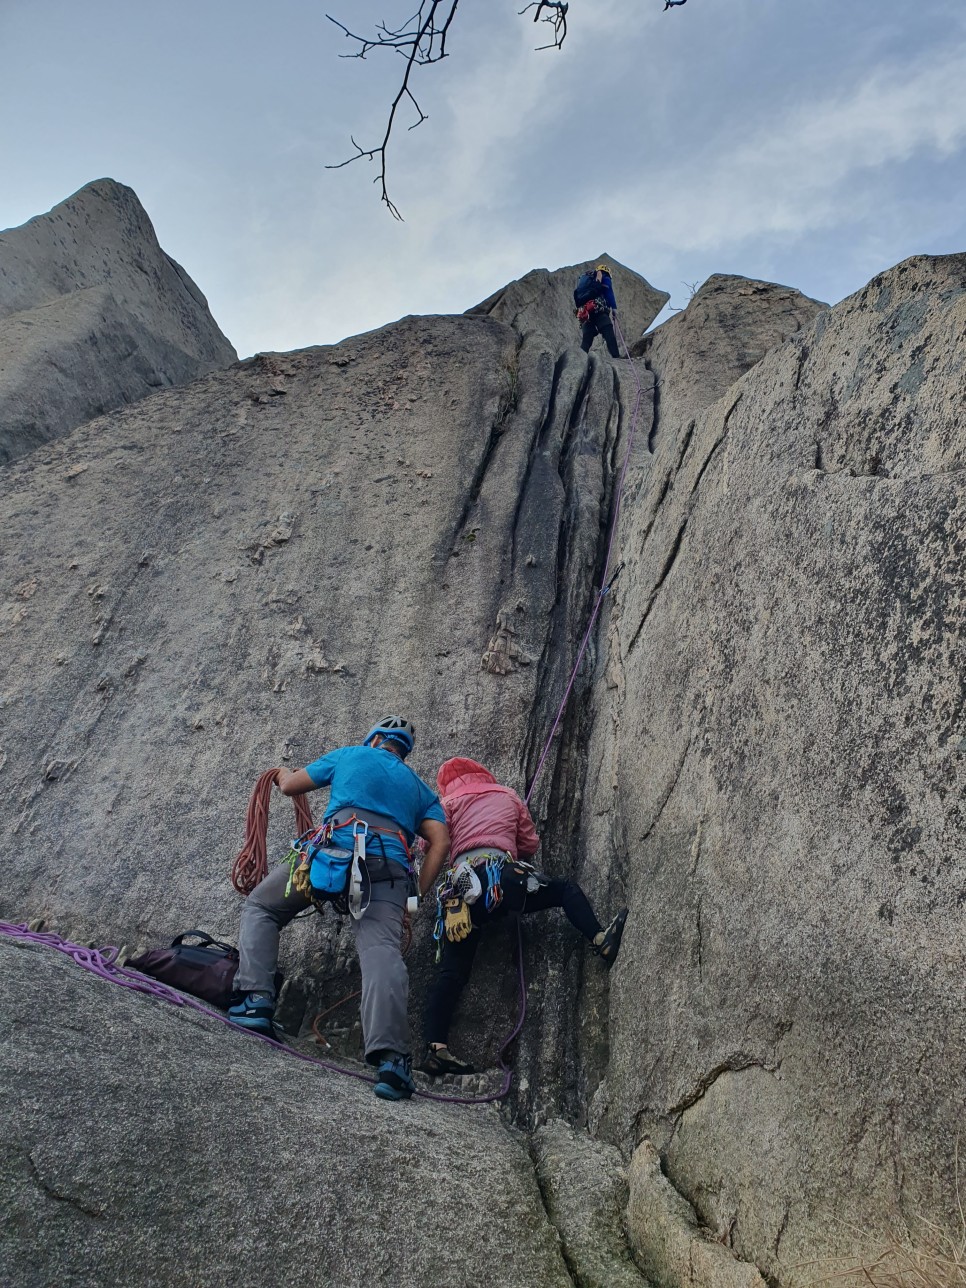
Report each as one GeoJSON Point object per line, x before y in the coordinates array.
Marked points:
{"type": "Point", "coordinates": [251, 865]}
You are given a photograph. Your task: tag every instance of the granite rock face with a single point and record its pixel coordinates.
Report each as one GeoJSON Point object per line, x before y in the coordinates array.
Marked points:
{"type": "Point", "coordinates": [250, 570]}
{"type": "Point", "coordinates": [93, 315]}
{"type": "Point", "coordinates": [585, 1191]}
{"type": "Point", "coordinates": [763, 755]}
{"type": "Point", "coordinates": [728, 327]}
{"type": "Point", "coordinates": [777, 760]}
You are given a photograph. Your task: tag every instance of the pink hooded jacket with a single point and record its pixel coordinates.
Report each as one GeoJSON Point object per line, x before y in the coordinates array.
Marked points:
{"type": "Point", "coordinates": [480, 812]}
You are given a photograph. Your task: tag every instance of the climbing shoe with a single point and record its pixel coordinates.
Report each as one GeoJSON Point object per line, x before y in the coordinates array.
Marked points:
{"type": "Point", "coordinates": [395, 1080]}
{"type": "Point", "coordinates": [254, 1012]}
{"type": "Point", "coordinates": [440, 1061]}
{"type": "Point", "coordinates": [607, 944]}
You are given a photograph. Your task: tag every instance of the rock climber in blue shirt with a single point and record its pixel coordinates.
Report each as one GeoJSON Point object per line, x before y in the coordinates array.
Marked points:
{"type": "Point", "coordinates": [371, 785]}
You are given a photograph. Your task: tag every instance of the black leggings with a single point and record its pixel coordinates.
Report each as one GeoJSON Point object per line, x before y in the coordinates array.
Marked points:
{"type": "Point", "coordinates": [599, 323]}
{"type": "Point", "coordinates": [457, 960]}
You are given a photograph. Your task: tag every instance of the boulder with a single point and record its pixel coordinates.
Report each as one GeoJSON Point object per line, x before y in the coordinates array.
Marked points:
{"type": "Point", "coordinates": [93, 315]}
{"type": "Point", "coordinates": [728, 326]}
{"type": "Point", "coordinates": [162, 1147]}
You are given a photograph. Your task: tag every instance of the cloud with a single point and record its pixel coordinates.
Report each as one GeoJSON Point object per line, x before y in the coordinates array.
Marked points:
{"type": "Point", "coordinates": [809, 169]}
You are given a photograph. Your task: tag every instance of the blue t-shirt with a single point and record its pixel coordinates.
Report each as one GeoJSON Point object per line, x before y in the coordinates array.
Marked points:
{"type": "Point", "coordinates": [373, 779]}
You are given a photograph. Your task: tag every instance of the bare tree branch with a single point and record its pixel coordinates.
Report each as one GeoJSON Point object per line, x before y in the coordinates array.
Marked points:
{"type": "Point", "coordinates": [557, 17]}
{"type": "Point", "coordinates": [421, 40]}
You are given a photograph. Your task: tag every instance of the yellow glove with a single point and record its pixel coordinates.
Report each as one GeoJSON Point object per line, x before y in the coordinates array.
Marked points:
{"type": "Point", "coordinates": [299, 876]}
{"type": "Point", "coordinates": [456, 920]}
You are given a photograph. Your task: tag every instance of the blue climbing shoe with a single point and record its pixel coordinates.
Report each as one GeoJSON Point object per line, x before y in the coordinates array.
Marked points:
{"type": "Point", "coordinates": [254, 1012]}
{"type": "Point", "coordinates": [395, 1080]}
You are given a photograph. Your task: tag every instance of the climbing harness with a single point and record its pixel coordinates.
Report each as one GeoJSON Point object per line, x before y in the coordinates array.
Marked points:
{"type": "Point", "coordinates": [476, 875]}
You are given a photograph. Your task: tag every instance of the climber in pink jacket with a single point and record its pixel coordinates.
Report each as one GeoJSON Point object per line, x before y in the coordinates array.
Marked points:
{"type": "Point", "coordinates": [491, 834]}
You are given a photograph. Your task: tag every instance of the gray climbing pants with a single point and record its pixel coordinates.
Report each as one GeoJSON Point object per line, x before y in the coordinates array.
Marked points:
{"type": "Point", "coordinates": [385, 980]}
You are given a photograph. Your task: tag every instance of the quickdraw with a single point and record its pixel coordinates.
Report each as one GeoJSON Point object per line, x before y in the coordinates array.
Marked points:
{"type": "Point", "coordinates": [494, 890]}
{"type": "Point", "coordinates": [360, 830]}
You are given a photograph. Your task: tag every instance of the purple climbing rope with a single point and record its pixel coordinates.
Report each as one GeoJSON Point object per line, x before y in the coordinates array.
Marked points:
{"type": "Point", "coordinates": [102, 962]}
{"type": "Point", "coordinates": [607, 578]}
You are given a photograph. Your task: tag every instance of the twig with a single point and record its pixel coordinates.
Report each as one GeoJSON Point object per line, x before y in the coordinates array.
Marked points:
{"type": "Point", "coordinates": [421, 40]}
{"type": "Point", "coordinates": [557, 17]}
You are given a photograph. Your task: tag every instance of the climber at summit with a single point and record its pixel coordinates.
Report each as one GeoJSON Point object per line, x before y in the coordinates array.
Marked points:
{"type": "Point", "coordinates": [374, 796]}
{"type": "Point", "coordinates": [596, 307]}
{"type": "Point", "coordinates": [490, 829]}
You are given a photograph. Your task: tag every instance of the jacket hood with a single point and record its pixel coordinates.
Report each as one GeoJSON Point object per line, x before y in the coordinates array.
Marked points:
{"type": "Point", "coordinates": [461, 772]}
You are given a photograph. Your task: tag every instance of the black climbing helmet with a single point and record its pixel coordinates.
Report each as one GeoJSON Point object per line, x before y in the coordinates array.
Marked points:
{"type": "Point", "coordinates": [393, 729]}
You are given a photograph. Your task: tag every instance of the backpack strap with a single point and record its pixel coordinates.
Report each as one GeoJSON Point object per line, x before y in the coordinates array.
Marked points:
{"type": "Point", "coordinates": [206, 940]}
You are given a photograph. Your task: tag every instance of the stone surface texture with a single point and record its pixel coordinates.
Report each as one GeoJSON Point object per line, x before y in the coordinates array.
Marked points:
{"type": "Point", "coordinates": [671, 1247]}
{"type": "Point", "coordinates": [250, 570]}
{"type": "Point", "coordinates": [584, 1188]}
{"type": "Point", "coordinates": [763, 755]}
{"type": "Point", "coordinates": [727, 327]}
{"type": "Point", "coordinates": [777, 763]}
{"type": "Point", "coordinates": [161, 1147]}
{"type": "Point", "coordinates": [93, 315]}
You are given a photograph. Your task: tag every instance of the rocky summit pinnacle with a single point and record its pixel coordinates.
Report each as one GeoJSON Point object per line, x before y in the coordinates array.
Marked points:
{"type": "Point", "coordinates": [93, 315]}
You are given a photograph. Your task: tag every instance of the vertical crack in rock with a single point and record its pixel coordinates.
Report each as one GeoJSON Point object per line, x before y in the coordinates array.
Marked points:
{"type": "Point", "coordinates": [541, 1187]}
{"type": "Point", "coordinates": [800, 366]}
{"type": "Point", "coordinates": [782, 1228]}
{"type": "Point", "coordinates": [655, 407]}
{"type": "Point", "coordinates": [587, 418]}
{"type": "Point", "coordinates": [667, 794]}
{"type": "Point", "coordinates": [479, 475]}
{"type": "Point", "coordinates": [688, 435]}
{"type": "Point", "coordinates": [679, 538]}
{"type": "Point", "coordinates": [662, 578]}
{"type": "Point", "coordinates": [566, 569]}
{"type": "Point", "coordinates": [535, 446]}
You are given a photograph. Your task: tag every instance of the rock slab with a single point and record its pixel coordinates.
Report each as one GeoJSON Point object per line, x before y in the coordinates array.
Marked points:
{"type": "Point", "coordinates": [162, 1148]}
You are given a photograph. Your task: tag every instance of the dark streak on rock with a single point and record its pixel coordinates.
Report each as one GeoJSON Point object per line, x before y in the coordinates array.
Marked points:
{"type": "Point", "coordinates": [733, 1064]}
{"type": "Point", "coordinates": [47, 1189]}
{"type": "Point", "coordinates": [669, 792]}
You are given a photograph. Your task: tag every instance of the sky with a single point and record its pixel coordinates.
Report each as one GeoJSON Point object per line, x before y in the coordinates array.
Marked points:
{"type": "Point", "coordinates": [809, 142]}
